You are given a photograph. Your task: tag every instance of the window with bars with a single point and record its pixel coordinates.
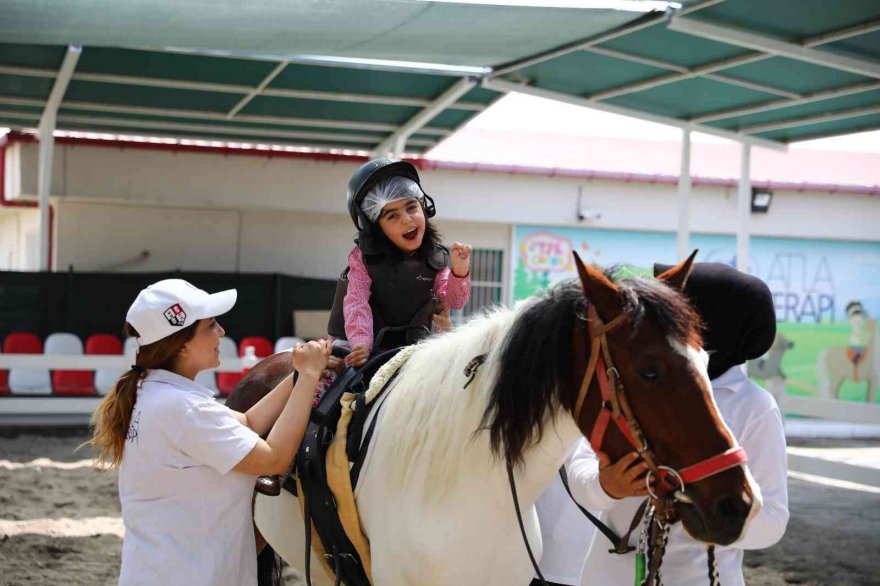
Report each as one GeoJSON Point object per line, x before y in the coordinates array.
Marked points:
{"type": "Point", "coordinates": [487, 275]}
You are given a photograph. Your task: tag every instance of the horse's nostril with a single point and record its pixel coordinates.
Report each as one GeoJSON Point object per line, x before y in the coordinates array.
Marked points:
{"type": "Point", "coordinates": [734, 509]}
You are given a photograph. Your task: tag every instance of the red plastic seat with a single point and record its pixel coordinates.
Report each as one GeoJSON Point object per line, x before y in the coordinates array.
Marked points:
{"type": "Point", "coordinates": [22, 343]}
{"type": "Point", "coordinates": [263, 347]}
{"type": "Point", "coordinates": [106, 344]}
{"type": "Point", "coordinates": [69, 382]}
{"type": "Point", "coordinates": [226, 381]}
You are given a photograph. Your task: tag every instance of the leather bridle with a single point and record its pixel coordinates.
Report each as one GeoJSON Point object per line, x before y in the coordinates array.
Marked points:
{"type": "Point", "coordinates": [615, 407]}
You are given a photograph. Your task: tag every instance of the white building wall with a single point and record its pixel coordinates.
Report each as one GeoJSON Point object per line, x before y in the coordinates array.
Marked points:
{"type": "Point", "coordinates": [19, 239]}
{"type": "Point", "coordinates": [109, 237]}
{"type": "Point", "coordinates": [114, 237]}
{"type": "Point", "coordinates": [258, 213]}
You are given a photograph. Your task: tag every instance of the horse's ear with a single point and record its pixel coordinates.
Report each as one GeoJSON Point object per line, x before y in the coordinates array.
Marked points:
{"type": "Point", "coordinates": [677, 276]}
{"type": "Point", "coordinates": [599, 290]}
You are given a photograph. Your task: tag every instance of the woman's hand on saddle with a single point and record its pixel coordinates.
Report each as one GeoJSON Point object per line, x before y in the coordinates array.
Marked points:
{"type": "Point", "coordinates": [460, 259]}
{"type": "Point", "coordinates": [624, 478]}
{"type": "Point", "coordinates": [358, 355]}
{"type": "Point", "coordinates": [311, 358]}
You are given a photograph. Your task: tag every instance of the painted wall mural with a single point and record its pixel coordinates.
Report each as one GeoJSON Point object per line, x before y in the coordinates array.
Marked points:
{"type": "Point", "coordinates": [826, 294]}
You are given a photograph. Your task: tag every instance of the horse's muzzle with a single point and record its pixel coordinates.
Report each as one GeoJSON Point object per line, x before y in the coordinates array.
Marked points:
{"type": "Point", "coordinates": [721, 521]}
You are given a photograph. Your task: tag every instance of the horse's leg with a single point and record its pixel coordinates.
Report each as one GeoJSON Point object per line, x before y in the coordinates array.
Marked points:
{"type": "Point", "coordinates": [280, 521]}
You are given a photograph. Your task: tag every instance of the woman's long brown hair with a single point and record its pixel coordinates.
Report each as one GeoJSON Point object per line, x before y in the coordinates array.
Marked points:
{"type": "Point", "coordinates": [112, 418]}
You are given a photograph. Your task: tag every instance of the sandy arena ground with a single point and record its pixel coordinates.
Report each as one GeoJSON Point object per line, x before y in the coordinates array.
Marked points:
{"type": "Point", "coordinates": [833, 537]}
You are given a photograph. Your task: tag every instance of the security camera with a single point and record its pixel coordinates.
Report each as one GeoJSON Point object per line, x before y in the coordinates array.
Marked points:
{"type": "Point", "coordinates": [590, 214]}
{"type": "Point", "coordinates": [584, 211]}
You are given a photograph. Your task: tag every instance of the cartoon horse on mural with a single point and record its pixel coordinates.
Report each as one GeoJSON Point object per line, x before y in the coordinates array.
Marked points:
{"type": "Point", "coordinates": [859, 362]}
{"type": "Point", "coordinates": [769, 367]}
{"type": "Point", "coordinates": [434, 495]}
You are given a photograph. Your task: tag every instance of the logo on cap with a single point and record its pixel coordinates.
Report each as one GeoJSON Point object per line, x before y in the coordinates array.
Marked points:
{"type": "Point", "coordinates": [175, 315]}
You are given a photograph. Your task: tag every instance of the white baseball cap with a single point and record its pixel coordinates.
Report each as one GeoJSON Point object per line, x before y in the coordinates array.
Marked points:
{"type": "Point", "coordinates": [168, 306]}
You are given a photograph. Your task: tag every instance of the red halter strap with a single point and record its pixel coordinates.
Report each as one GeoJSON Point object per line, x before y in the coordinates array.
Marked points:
{"type": "Point", "coordinates": [615, 407]}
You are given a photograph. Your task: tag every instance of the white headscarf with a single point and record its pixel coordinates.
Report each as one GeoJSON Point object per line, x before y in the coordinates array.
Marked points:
{"type": "Point", "coordinates": [387, 191]}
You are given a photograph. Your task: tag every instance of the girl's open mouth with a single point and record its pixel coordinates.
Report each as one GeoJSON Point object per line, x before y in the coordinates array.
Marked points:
{"type": "Point", "coordinates": [411, 234]}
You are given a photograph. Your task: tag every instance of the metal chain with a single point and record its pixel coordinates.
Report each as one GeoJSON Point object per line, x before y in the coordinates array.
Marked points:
{"type": "Point", "coordinates": [646, 526]}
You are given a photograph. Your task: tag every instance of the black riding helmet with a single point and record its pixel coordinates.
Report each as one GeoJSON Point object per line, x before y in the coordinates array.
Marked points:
{"type": "Point", "coordinates": [371, 173]}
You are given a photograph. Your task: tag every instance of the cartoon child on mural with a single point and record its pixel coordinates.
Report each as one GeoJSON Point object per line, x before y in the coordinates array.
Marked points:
{"type": "Point", "coordinates": [861, 323]}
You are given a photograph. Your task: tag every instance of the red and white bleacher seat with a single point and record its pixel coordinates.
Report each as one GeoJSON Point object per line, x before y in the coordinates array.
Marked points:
{"type": "Point", "coordinates": [26, 381]}
{"type": "Point", "coordinates": [226, 381]}
{"type": "Point", "coordinates": [4, 380]}
{"type": "Point", "coordinates": [69, 382]}
{"type": "Point", "coordinates": [105, 345]}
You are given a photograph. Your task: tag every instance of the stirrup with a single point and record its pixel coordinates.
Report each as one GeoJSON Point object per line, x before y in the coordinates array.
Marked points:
{"type": "Point", "coordinates": [268, 485]}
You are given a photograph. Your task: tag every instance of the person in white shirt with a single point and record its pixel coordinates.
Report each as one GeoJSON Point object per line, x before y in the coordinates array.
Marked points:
{"type": "Point", "coordinates": [565, 534]}
{"type": "Point", "coordinates": [737, 310]}
{"type": "Point", "coordinates": [187, 464]}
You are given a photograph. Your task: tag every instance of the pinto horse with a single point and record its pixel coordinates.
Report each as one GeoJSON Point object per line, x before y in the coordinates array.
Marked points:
{"type": "Point", "coordinates": [434, 497]}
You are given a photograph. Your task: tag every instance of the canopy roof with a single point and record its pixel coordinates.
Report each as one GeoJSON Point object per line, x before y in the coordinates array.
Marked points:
{"type": "Point", "coordinates": [765, 71]}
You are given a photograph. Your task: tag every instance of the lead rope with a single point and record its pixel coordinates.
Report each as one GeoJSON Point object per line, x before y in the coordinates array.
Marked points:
{"type": "Point", "coordinates": [650, 553]}
{"type": "Point", "coordinates": [714, 580]}
{"type": "Point", "coordinates": [659, 537]}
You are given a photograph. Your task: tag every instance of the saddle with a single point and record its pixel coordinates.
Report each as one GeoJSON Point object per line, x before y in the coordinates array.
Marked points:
{"type": "Point", "coordinates": [325, 472]}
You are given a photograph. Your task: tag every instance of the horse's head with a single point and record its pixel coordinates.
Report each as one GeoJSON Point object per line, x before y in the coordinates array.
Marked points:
{"type": "Point", "coordinates": [652, 338]}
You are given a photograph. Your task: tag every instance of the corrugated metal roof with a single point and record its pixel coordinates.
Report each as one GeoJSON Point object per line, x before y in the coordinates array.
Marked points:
{"type": "Point", "coordinates": [769, 71]}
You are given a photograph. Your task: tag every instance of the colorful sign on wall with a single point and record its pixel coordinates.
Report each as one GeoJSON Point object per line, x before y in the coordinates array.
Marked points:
{"type": "Point", "coordinates": [826, 294]}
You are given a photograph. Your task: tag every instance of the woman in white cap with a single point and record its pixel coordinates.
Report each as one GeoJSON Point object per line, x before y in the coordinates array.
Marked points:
{"type": "Point", "coordinates": [187, 464]}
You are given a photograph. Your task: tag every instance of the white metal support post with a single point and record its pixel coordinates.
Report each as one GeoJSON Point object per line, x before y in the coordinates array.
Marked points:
{"type": "Point", "coordinates": [684, 197]}
{"type": "Point", "coordinates": [47, 146]}
{"type": "Point", "coordinates": [744, 209]}
{"type": "Point", "coordinates": [396, 142]}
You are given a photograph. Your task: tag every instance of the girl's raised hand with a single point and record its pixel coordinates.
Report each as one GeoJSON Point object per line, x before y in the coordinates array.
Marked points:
{"type": "Point", "coordinates": [311, 358]}
{"type": "Point", "coordinates": [460, 258]}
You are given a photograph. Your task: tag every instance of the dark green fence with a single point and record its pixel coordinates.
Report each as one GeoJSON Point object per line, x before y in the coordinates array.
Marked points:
{"type": "Point", "coordinates": [90, 303]}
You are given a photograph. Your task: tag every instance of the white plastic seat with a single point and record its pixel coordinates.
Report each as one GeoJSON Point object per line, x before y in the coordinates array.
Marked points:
{"type": "Point", "coordinates": [106, 379]}
{"type": "Point", "coordinates": [286, 343]}
{"type": "Point", "coordinates": [63, 343]}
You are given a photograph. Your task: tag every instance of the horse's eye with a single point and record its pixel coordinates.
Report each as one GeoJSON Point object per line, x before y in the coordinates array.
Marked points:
{"type": "Point", "coordinates": [651, 374]}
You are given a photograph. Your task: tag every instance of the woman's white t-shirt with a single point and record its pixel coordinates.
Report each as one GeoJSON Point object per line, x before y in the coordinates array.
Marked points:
{"type": "Point", "coordinates": [187, 516]}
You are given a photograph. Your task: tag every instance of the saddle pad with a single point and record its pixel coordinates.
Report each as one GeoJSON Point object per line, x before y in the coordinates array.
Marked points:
{"type": "Point", "coordinates": [338, 465]}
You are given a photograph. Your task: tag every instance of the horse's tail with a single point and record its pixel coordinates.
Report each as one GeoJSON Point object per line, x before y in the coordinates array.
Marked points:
{"type": "Point", "coordinates": [268, 568]}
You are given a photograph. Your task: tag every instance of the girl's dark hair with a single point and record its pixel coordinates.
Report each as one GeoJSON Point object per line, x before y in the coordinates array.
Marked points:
{"type": "Point", "coordinates": [111, 420]}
